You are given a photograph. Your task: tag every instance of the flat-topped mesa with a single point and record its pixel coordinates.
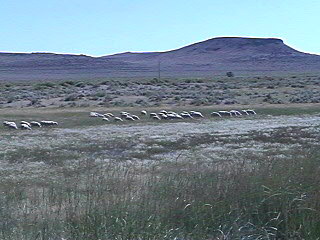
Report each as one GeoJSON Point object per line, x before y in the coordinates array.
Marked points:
{"type": "Point", "coordinates": [242, 46]}
{"type": "Point", "coordinates": [215, 50]}
{"type": "Point", "coordinates": [241, 42]}
{"type": "Point", "coordinates": [248, 40]}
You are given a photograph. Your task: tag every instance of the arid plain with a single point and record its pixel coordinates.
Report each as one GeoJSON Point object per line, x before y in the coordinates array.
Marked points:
{"type": "Point", "coordinates": [248, 176]}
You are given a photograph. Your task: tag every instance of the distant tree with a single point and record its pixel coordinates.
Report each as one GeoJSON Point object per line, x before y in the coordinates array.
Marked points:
{"type": "Point", "coordinates": [230, 74]}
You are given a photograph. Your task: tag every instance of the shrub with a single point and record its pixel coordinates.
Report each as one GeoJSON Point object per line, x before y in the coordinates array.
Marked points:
{"type": "Point", "coordinates": [71, 97]}
{"type": "Point", "coordinates": [230, 74]}
{"type": "Point", "coordinates": [100, 94]}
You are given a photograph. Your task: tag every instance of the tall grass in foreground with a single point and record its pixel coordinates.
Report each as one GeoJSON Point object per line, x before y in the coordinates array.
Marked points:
{"type": "Point", "coordinates": [267, 198]}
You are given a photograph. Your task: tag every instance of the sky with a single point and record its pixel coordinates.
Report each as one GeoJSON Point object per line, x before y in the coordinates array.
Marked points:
{"type": "Point", "coordinates": [102, 27]}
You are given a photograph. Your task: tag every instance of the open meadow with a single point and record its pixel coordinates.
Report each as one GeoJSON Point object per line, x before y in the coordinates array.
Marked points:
{"type": "Point", "coordinates": [246, 177]}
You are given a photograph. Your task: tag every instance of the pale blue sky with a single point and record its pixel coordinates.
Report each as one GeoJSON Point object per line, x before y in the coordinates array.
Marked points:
{"type": "Point", "coordinates": [100, 27]}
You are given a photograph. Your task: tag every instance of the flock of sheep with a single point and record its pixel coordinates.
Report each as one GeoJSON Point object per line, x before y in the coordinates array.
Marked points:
{"type": "Point", "coordinates": [28, 125]}
{"type": "Point", "coordinates": [162, 115]}
{"type": "Point", "coordinates": [167, 115]}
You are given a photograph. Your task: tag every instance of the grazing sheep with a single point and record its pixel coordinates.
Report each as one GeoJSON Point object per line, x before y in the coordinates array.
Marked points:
{"type": "Point", "coordinates": [236, 113]}
{"type": "Point", "coordinates": [124, 114]}
{"type": "Point", "coordinates": [177, 116]}
{"type": "Point", "coordinates": [163, 111]}
{"type": "Point", "coordinates": [6, 123]}
{"type": "Point", "coordinates": [105, 119]}
{"type": "Point", "coordinates": [163, 116]}
{"type": "Point", "coordinates": [25, 127]}
{"type": "Point", "coordinates": [26, 123]}
{"type": "Point", "coordinates": [95, 114]}
{"type": "Point", "coordinates": [225, 113]}
{"type": "Point", "coordinates": [186, 115]}
{"type": "Point", "coordinates": [118, 119]}
{"type": "Point", "coordinates": [108, 115]}
{"type": "Point", "coordinates": [156, 117]}
{"type": "Point", "coordinates": [216, 114]}
{"type": "Point", "coordinates": [14, 126]}
{"type": "Point", "coordinates": [196, 114]}
{"type": "Point", "coordinates": [48, 123]}
{"type": "Point", "coordinates": [171, 115]}
{"type": "Point", "coordinates": [129, 118]}
{"type": "Point", "coordinates": [153, 114]}
{"type": "Point", "coordinates": [247, 112]}
{"type": "Point", "coordinates": [10, 124]}
{"type": "Point", "coordinates": [35, 124]}
{"type": "Point", "coordinates": [144, 112]}
{"type": "Point", "coordinates": [171, 112]}
{"type": "Point", "coordinates": [251, 111]}
{"type": "Point", "coordinates": [135, 117]}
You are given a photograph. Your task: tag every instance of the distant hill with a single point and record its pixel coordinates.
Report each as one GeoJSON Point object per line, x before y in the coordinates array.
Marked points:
{"type": "Point", "coordinates": [213, 56]}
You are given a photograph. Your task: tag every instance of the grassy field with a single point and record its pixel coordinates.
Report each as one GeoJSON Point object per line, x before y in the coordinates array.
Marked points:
{"type": "Point", "coordinates": [254, 177]}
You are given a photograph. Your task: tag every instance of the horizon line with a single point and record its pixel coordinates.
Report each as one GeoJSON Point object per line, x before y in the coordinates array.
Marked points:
{"type": "Point", "coordinates": [162, 51]}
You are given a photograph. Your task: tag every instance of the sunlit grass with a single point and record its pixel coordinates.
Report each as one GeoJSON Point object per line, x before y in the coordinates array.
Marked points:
{"type": "Point", "coordinates": [78, 181]}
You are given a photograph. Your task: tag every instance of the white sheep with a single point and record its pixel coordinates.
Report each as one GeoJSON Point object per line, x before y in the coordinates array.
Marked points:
{"type": "Point", "coordinates": [236, 112]}
{"type": "Point", "coordinates": [186, 115]}
{"type": "Point", "coordinates": [35, 124]}
{"type": "Point", "coordinates": [48, 123]}
{"type": "Point", "coordinates": [118, 119]}
{"type": "Point", "coordinates": [196, 114]}
{"type": "Point", "coordinates": [156, 117]}
{"type": "Point", "coordinates": [225, 113]}
{"type": "Point", "coordinates": [177, 116]}
{"type": "Point", "coordinates": [10, 124]}
{"type": "Point", "coordinates": [171, 115]}
{"type": "Point", "coordinates": [216, 114]}
{"type": "Point", "coordinates": [95, 114]}
{"type": "Point", "coordinates": [171, 112]}
{"type": "Point", "coordinates": [163, 116]}
{"type": "Point", "coordinates": [251, 111]}
{"type": "Point", "coordinates": [6, 123]}
{"type": "Point", "coordinates": [25, 127]}
{"type": "Point", "coordinates": [105, 119]}
{"type": "Point", "coordinates": [130, 118]}
{"type": "Point", "coordinates": [135, 117]}
{"type": "Point", "coordinates": [26, 123]}
{"type": "Point", "coordinates": [144, 112]}
{"type": "Point", "coordinates": [108, 115]}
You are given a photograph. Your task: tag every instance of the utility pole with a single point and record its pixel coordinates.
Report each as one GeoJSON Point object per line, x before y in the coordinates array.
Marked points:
{"type": "Point", "coordinates": [159, 69]}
